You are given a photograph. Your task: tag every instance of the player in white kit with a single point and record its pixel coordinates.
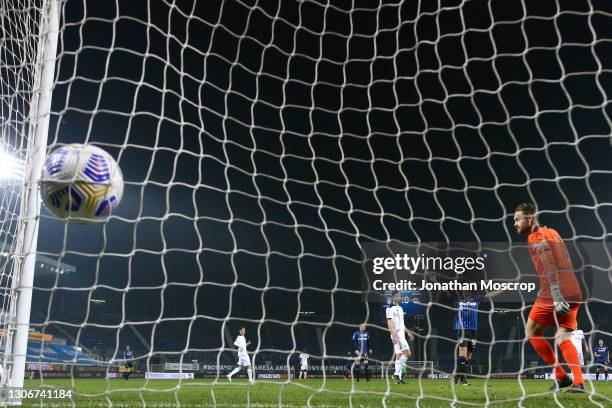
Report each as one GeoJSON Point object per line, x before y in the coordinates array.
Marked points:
{"type": "Point", "coordinates": [243, 356]}
{"type": "Point", "coordinates": [304, 356]}
{"type": "Point", "coordinates": [398, 330]}
{"type": "Point", "coordinates": [577, 338]}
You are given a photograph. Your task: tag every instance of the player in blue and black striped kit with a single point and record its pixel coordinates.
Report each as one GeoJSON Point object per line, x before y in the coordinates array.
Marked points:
{"type": "Point", "coordinates": [128, 356]}
{"type": "Point", "coordinates": [602, 358]}
{"type": "Point", "coordinates": [348, 364]}
{"type": "Point", "coordinates": [363, 348]}
{"type": "Point", "coordinates": [466, 325]}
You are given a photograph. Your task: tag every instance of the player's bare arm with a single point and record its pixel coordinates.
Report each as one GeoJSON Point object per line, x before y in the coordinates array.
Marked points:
{"type": "Point", "coordinates": [493, 293]}
{"type": "Point", "coordinates": [409, 334]}
{"type": "Point", "coordinates": [586, 346]}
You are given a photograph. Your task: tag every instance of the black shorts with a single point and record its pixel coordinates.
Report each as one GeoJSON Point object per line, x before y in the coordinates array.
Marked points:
{"type": "Point", "coordinates": [129, 364]}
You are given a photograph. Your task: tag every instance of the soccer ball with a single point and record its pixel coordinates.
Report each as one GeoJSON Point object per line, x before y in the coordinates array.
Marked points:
{"type": "Point", "coordinates": [81, 183]}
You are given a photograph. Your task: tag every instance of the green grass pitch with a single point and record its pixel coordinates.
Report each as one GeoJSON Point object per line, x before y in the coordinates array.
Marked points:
{"type": "Point", "coordinates": [317, 393]}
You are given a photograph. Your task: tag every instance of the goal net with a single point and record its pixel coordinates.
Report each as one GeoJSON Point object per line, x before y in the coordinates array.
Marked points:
{"type": "Point", "coordinates": [263, 144]}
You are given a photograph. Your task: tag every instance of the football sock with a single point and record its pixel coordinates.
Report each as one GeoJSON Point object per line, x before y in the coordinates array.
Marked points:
{"type": "Point", "coordinates": [545, 350]}
{"type": "Point", "coordinates": [234, 371]}
{"type": "Point", "coordinates": [402, 363]}
{"type": "Point", "coordinates": [461, 367]}
{"type": "Point", "coordinates": [570, 355]}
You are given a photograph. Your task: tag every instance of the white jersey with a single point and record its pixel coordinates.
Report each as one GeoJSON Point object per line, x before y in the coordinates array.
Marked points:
{"type": "Point", "coordinates": [577, 337]}
{"type": "Point", "coordinates": [396, 314]}
{"type": "Point", "coordinates": [241, 344]}
{"type": "Point", "coordinates": [304, 359]}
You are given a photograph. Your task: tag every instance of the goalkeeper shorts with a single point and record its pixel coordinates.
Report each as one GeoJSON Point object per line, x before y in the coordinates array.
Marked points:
{"type": "Point", "coordinates": [543, 312]}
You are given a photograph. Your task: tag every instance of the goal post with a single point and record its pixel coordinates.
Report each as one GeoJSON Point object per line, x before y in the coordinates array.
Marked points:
{"type": "Point", "coordinates": [17, 318]}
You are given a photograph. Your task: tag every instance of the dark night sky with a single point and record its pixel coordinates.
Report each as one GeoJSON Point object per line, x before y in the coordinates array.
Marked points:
{"type": "Point", "coordinates": [263, 144]}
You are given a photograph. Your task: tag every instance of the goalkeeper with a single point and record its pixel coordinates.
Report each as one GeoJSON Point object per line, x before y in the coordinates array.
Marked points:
{"type": "Point", "coordinates": [557, 304]}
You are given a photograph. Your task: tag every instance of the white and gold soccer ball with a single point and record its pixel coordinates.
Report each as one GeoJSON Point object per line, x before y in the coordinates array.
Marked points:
{"type": "Point", "coordinates": [81, 183]}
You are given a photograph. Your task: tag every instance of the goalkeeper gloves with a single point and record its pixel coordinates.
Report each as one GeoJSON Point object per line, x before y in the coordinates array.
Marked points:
{"type": "Point", "coordinates": [561, 306]}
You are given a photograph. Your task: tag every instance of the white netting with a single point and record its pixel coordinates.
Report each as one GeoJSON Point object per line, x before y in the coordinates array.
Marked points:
{"type": "Point", "coordinates": [263, 143]}
{"type": "Point", "coordinates": [20, 25]}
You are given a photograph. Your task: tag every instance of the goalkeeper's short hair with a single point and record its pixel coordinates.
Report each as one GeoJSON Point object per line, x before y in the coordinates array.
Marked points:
{"type": "Point", "coordinates": [526, 208]}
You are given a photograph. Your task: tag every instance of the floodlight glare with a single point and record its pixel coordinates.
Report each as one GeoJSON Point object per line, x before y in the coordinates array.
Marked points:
{"type": "Point", "coordinates": [12, 168]}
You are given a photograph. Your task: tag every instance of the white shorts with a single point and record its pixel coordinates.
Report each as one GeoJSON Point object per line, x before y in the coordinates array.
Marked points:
{"type": "Point", "coordinates": [304, 367]}
{"type": "Point", "coordinates": [401, 344]}
{"type": "Point", "coordinates": [243, 359]}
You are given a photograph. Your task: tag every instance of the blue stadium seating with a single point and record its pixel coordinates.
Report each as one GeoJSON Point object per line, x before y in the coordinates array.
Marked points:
{"type": "Point", "coordinates": [57, 353]}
